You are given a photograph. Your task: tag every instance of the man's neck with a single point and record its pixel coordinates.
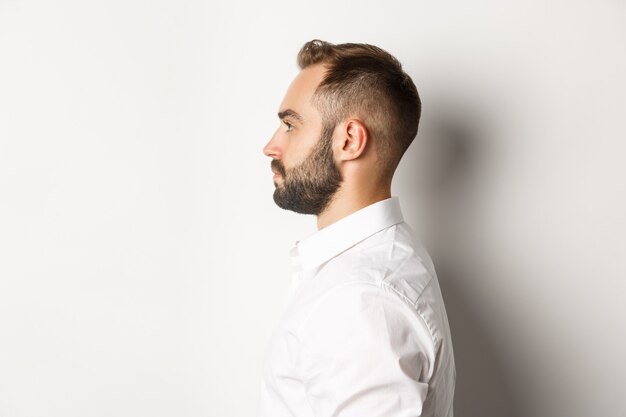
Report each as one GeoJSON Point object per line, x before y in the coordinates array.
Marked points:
{"type": "Point", "coordinates": [345, 203]}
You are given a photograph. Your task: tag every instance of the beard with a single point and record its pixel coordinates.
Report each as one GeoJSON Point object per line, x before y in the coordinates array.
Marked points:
{"type": "Point", "coordinates": [308, 188]}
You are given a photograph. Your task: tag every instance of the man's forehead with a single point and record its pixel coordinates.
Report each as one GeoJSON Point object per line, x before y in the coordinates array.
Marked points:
{"type": "Point", "coordinates": [298, 96]}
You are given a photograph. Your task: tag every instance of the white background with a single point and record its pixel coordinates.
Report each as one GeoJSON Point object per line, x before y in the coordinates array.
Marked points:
{"type": "Point", "coordinates": [143, 263]}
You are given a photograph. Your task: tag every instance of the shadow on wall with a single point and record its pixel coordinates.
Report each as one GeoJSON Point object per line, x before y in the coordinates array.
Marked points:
{"type": "Point", "coordinates": [450, 155]}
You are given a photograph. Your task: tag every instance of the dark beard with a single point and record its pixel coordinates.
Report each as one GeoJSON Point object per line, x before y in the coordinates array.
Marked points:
{"type": "Point", "coordinates": [310, 186]}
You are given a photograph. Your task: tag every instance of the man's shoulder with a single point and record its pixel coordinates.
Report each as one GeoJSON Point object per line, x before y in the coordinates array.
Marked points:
{"type": "Point", "coordinates": [392, 268]}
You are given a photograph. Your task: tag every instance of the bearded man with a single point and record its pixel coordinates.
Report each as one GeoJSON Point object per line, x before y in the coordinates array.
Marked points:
{"type": "Point", "coordinates": [364, 330]}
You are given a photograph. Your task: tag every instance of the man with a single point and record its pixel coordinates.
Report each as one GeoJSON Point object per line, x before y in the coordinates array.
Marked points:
{"type": "Point", "coordinates": [364, 332]}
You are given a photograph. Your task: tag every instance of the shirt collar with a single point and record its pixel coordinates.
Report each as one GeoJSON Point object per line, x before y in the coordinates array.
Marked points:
{"type": "Point", "coordinates": [329, 242]}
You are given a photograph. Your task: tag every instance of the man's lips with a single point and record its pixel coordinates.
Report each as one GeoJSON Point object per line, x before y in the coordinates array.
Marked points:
{"type": "Point", "coordinates": [276, 169]}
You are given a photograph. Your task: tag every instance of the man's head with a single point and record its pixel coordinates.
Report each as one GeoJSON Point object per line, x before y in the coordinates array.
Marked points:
{"type": "Point", "coordinates": [350, 103]}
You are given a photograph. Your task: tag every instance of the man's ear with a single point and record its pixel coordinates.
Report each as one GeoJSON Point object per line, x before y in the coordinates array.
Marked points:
{"type": "Point", "coordinates": [353, 136]}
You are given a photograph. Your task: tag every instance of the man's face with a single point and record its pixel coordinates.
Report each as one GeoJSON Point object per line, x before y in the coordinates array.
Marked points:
{"type": "Point", "coordinates": [306, 175]}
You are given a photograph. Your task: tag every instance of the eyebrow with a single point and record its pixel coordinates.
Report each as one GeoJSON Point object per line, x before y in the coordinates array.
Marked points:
{"type": "Point", "coordinates": [289, 112]}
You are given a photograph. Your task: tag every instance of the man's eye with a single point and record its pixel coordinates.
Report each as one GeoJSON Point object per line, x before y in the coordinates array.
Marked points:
{"type": "Point", "coordinates": [289, 126]}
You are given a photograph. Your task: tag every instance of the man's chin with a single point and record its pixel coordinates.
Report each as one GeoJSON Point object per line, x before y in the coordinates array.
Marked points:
{"type": "Point", "coordinates": [284, 203]}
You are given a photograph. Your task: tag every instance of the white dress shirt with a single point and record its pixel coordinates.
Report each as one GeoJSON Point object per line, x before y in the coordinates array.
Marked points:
{"type": "Point", "coordinates": [364, 330]}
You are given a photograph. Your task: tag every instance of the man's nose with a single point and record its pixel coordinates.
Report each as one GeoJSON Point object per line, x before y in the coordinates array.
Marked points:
{"type": "Point", "coordinates": [272, 149]}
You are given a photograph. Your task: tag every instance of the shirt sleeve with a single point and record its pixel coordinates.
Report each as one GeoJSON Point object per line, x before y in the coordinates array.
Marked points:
{"type": "Point", "coordinates": [365, 352]}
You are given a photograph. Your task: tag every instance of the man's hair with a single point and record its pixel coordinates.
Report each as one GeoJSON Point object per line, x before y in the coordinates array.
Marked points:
{"type": "Point", "coordinates": [366, 82]}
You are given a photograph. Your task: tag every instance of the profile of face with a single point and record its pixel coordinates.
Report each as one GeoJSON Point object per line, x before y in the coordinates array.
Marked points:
{"type": "Point", "coordinates": [306, 174]}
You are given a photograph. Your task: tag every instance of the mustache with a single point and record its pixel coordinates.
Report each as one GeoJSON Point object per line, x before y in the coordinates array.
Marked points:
{"type": "Point", "coordinates": [278, 166]}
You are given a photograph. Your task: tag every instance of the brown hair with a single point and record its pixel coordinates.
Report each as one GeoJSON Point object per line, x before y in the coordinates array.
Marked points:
{"type": "Point", "coordinates": [367, 82]}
